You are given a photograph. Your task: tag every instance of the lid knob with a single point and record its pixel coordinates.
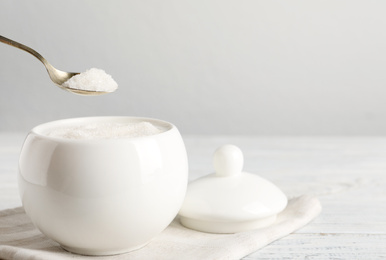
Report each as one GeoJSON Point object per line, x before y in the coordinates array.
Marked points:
{"type": "Point", "coordinates": [228, 160]}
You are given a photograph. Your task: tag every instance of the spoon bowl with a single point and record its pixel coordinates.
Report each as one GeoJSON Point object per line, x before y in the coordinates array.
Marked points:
{"type": "Point", "coordinates": [58, 77]}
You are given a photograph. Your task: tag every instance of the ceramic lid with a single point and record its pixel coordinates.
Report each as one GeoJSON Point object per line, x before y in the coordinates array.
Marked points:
{"type": "Point", "coordinates": [229, 200]}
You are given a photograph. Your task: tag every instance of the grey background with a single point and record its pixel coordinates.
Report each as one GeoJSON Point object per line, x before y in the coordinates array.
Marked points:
{"type": "Point", "coordinates": [209, 67]}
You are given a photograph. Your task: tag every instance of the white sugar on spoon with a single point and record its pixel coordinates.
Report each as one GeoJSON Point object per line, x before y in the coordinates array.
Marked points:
{"type": "Point", "coordinates": [92, 80]}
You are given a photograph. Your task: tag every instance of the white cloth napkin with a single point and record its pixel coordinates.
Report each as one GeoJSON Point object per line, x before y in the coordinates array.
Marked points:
{"type": "Point", "coordinates": [19, 239]}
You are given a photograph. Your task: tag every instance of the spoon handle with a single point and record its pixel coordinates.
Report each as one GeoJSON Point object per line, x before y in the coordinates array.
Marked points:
{"type": "Point", "coordinates": [24, 48]}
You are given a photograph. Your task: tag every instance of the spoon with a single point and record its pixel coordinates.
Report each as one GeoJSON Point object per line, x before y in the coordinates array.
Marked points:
{"type": "Point", "coordinates": [57, 76]}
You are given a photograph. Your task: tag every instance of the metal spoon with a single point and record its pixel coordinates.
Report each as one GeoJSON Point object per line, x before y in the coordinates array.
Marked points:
{"type": "Point", "coordinates": [57, 76]}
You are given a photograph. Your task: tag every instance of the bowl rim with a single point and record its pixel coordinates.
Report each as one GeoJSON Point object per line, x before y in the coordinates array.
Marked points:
{"type": "Point", "coordinates": [40, 129]}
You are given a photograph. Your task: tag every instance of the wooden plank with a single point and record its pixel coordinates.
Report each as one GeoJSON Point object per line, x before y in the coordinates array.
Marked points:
{"type": "Point", "coordinates": [325, 246]}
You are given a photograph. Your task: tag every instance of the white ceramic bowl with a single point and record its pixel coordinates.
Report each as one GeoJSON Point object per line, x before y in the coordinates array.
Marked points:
{"type": "Point", "coordinates": [102, 197]}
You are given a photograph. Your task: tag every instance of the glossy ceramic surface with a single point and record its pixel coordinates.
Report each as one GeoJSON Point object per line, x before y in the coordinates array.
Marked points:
{"type": "Point", "coordinates": [229, 200]}
{"type": "Point", "coordinates": [102, 197]}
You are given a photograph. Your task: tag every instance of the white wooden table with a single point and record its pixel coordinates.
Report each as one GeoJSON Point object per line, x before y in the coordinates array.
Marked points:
{"type": "Point", "coordinates": [348, 174]}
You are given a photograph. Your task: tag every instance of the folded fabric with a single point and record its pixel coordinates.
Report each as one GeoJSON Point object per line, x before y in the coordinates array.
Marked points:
{"type": "Point", "coordinates": [19, 239]}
